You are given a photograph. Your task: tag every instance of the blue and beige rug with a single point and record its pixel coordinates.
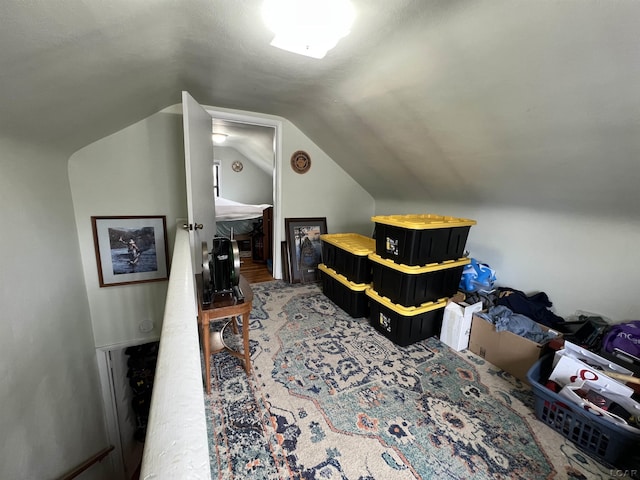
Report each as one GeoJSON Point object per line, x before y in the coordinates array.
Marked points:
{"type": "Point", "coordinates": [331, 398]}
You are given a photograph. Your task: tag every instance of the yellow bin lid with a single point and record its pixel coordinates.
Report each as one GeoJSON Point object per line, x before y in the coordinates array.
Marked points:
{"type": "Point", "coordinates": [351, 242]}
{"type": "Point", "coordinates": [407, 311]}
{"type": "Point", "coordinates": [423, 222]}
{"type": "Point", "coordinates": [418, 269]}
{"type": "Point", "coordinates": [357, 287]}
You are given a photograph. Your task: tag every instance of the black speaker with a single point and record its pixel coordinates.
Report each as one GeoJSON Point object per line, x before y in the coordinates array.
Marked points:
{"type": "Point", "coordinates": [224, 265]}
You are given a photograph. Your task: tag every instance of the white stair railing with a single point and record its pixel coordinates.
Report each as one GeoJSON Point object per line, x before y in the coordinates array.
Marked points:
{"type": "Point", "coordinates": [176, 444]}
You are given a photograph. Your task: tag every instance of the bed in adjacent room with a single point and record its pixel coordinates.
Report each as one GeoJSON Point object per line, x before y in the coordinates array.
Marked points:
{"type": "Point", "coordinates": [236, 218]}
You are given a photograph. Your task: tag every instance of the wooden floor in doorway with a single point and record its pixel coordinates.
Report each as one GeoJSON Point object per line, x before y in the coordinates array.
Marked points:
{"type": "Point", "coordinates": [253, 271]}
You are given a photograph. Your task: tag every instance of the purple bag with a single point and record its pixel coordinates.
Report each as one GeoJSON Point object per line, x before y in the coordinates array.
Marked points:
{"type": "Point", "coordinates": [625, 337]}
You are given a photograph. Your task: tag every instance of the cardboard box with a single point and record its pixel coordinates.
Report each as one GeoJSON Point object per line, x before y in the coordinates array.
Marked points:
{"type": "Point", "coordinates": [510, 352]}
{"type": "Point", "coordinates": [456, 324]}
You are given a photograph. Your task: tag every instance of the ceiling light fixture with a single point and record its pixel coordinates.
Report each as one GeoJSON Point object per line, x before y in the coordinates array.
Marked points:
{"type": "Point", "coordinates": [219, 137]}
{"type": "Point", "coordinates": [308, 27]}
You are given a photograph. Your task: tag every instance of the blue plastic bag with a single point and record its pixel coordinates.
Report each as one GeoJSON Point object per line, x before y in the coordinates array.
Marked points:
{"type": "Point", "coordinates": [477, 276]}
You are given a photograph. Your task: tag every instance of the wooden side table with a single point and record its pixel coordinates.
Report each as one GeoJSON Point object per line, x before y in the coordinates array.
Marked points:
{"type": "Point", "coordinates": [218, 310]}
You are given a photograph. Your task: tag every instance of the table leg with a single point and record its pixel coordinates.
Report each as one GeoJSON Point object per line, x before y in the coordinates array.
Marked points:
{"type": "Point", "coordinates": [245, 342]}
{"type": "Point", "coordinates": [206, 351]}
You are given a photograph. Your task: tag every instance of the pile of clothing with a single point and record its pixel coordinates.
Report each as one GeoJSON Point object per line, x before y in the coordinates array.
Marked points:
{"type": "Point", "coordinates": [514, 311]}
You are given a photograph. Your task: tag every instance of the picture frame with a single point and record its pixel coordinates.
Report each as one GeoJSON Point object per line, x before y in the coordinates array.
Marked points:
{"type": "Point", "coordinates": [304, 247]}
{"type": "Point", "coordinates": [286, 271]}
{"type": "Point", "coordinates": [130, 249]}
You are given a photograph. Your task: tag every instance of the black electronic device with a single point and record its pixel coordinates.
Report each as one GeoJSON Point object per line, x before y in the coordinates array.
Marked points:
{"type": "Point", "coordinates": [237, 292]}
{"type": "Point", "coordinates": [220, 270]}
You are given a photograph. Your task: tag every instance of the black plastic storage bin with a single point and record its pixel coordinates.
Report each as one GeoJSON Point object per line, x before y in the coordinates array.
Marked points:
{"type": "Point", "coordinates": [405, 325]}
{"type": "Point", "coordinates": [349, 296]}
{"type": "Point", "coordinates": [347, 254]}
{"type": "Point", "coordinates": [421, 239]}
{"type": "Point", "coordinates": [607, 442]}
{"type": "Point", "coordinates": [414, 285]}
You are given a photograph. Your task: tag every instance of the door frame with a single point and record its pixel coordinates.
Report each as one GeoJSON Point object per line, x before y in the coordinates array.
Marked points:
{"type": "Point", "coordinates": [278, 222]}
{"type": "Point", "coordinates": [110, 401]}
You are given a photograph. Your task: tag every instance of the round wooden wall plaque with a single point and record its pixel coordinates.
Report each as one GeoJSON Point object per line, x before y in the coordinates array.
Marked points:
{"type": "Point", "coordinates": [300, 162]}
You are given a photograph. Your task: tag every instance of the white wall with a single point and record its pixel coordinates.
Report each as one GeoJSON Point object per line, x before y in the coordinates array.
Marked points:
{"type": "Point", "coordinates": [326, 190]}
{"type": "Point", "coordinates": [582, 263]}
{"type": "Point", "coordinates": [140, 171]}
{"type": "Point", "coordinates": [251, 185]}
{"type": "Point", "coordinates": [51, 415]}
{"type": "Point", "coordinates": [136, 171]}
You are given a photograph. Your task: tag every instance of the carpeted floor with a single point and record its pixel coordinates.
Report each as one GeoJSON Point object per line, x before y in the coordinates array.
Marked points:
{"type": "Point", "coordinates": [331, 398]}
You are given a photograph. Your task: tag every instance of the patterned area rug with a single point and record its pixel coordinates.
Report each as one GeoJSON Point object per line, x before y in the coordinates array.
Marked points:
{"type": "Point", "coordinates": [331, 398]}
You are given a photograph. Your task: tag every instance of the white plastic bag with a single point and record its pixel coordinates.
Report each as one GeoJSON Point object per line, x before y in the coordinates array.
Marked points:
{"type": "Point", "coordinates": [456, 324]}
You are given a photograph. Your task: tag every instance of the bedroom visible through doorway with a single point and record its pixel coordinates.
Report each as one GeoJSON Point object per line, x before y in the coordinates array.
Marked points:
{"type": "Point", "coordinates": [244, 166]}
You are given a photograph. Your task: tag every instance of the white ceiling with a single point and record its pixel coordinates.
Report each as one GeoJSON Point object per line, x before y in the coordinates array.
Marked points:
{"type": "Point", "coordinates": [530, 103]}
{"type": "Point", "coordinates": [254, 142]}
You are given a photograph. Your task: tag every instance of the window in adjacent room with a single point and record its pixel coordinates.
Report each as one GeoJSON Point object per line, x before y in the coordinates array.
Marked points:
{"type": "Point", "coordinates": [216, 178]}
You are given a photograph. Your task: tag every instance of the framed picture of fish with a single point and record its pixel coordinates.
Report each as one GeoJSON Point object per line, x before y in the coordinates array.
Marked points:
{"type": "Point", "coordinates": [305, 249]}
{"type": "Point", "coordinates": [131, 249]}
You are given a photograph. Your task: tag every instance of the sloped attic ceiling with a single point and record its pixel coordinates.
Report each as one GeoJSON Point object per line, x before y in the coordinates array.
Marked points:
{"type": "Point", "coordinates": [529, 103]}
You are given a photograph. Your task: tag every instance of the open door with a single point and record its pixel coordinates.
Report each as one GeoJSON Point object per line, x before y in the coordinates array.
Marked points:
{"type": "Point", "coordinates": [198, 158]}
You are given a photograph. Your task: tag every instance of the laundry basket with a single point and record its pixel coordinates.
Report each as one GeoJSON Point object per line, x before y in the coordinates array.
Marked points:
{"type": "Point", "coordinates": [607, 442]}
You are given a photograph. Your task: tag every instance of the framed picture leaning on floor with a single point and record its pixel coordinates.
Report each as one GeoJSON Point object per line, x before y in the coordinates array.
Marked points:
{"type": "Point", "coordinates": [305, 248]}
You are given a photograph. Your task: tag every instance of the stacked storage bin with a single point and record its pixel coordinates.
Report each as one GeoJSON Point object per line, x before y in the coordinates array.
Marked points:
{"type": "Point", "coordinates": [346, 272]}
{"type": "Point", "coordinates": [416, 267]}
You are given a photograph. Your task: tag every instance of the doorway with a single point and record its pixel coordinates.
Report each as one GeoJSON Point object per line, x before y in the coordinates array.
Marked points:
{"type": "Point", "coordinates": [249, 167]}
